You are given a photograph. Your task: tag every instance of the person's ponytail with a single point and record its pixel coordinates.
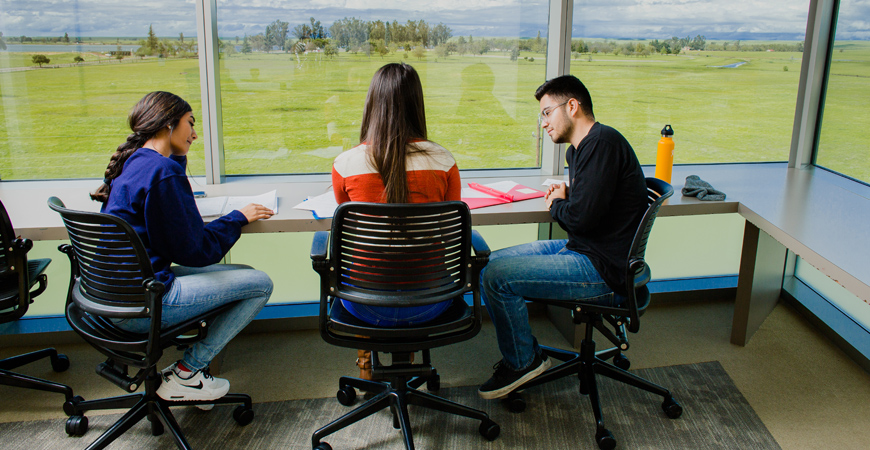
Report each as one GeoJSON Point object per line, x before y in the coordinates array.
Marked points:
{"type": "Point", "coordinates": [151, 115]}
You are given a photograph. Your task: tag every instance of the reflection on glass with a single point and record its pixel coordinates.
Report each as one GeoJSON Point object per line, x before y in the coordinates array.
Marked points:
{"type": "Point", "coordinates": [724, 75]}
{"type": "Point", "coordinates": [294, 78]}
{"type": "Point", "coordinates": [844, 144]}
{"type": "Point", "coordinates": [68, 80]}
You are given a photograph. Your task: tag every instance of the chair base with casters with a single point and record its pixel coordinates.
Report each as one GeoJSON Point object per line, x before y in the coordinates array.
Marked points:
{"type": "Point", "coordinates": [146, 404]}
{"type": "Point", "coordinates": [402, 378]}
{"type": "Point", "coordinates": [586, 365]}
{"type": "Point", "coordinates": [59, 363]}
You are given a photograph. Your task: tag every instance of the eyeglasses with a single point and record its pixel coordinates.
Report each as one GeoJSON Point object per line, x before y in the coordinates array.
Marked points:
{"type": "Point", "coordinates": [545, 114]}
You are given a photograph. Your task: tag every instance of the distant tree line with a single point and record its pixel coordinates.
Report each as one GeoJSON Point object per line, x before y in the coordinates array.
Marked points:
{"type": "Point", "coordinates": [674, 46]}
{"type": "Point", "coordinates": [164, 48]}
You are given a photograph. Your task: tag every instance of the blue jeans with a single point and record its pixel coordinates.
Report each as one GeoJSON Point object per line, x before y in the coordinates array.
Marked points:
{"type": "Point", "coordinates": [543, 269]}
{"type": "Point", "coordinates": [197, 290]}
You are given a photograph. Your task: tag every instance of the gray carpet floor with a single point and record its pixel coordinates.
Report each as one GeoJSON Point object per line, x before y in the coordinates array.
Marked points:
{"type": "Point", "coordinates": [716, 416]}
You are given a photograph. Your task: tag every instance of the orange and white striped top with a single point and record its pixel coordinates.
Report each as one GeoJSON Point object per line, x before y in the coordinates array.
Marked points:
{"type": "Point", "coordinates": [432, 176]}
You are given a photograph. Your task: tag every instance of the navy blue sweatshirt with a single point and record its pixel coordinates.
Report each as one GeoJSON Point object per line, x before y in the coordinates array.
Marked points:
{"type": "Point", "coordinates": [606, 200]}
{"type": "Point", "coordinates": [153, 195]}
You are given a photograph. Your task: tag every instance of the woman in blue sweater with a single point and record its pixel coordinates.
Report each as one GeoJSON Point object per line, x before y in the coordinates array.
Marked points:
{"type": "Point", "coordinates": [145, 184]}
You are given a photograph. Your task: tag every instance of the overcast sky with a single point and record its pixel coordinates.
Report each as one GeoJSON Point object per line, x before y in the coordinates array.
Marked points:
{"type": "Point", "coordinates": [633, 19]}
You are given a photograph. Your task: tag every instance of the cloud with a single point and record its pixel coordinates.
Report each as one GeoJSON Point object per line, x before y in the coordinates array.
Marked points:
{"type": "Point", "coordinates": [638, 19]}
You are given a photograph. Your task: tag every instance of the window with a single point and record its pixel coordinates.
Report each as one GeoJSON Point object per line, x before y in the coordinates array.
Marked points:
{"type": "Point", "coordinates": [294, 79]}
{"type": "Point", "coordinates": [68, 80]}
{"type": "Point", "coordinates": [724, 75]}
{"type": "Point", "coordinates": [844, 144]}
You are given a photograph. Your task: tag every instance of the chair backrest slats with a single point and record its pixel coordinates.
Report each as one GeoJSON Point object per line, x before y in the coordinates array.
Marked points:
{"type": "Point", "coordinates": [401, 255]}
{"type": "Point", "coordinates": [657, 192]}
{"type": "Point", "coordinates": [113, 265]}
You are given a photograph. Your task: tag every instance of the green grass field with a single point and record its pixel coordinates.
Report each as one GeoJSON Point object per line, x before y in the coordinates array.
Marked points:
{"type": "Point", "coordinates": [286, 116]}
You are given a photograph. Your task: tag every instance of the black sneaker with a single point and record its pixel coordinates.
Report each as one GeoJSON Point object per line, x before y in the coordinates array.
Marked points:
{"type": "Point", "coordinates": [505, 379]}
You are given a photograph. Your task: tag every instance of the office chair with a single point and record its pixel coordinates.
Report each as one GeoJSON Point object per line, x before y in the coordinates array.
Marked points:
{"type": "Point", "coordinates": [612, 322]}
{"type": "Point", "coordinates": [112, 279]}
{"type": "Point", "coordinates": [399, 255]}
{"type": "Point", "coordinates": [18, 276]}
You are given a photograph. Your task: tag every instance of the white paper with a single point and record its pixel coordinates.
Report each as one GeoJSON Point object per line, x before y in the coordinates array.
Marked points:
{"type": "Point", "coordinates": [474, 193]}
{"type": "Point", "coordinates": [219, 206]}
{"type": "Point", "coordinates": [323, 206]}
{"type": "Point", "coordinates": [502, 186]}
{"type": "Point", "coordinates": [527, 191]}
{"type": "Point", "coordinates": [551, 181]}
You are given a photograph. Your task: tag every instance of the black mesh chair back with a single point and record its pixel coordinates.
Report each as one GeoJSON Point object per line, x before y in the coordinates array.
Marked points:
{"type": "Point", "coordinates": [18, 276]}
{"type": "Point", "coordinates": [612, 322]}
{"type": "Point", "coordinates": [399, 255]}
{"type": "Point", "coordinates": [111, 279]}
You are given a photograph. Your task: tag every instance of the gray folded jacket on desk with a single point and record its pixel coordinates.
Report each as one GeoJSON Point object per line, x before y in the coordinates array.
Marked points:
{"type": "Point", "coordinates": [696, 187]}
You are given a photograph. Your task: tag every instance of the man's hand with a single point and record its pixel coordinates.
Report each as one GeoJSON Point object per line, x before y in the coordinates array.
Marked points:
{"type": "Point", "coordinates": [555, 191]}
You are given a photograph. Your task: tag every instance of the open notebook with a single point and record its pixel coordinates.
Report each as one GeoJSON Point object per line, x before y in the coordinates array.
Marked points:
{"type": "Point", "coordinates": [219, 206]}
{"type": "Point", "coordinates": [480, 195]}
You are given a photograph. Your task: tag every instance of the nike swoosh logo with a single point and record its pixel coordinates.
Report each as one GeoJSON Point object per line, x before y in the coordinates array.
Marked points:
{"type": "Point", "coordinates": [198, 386]}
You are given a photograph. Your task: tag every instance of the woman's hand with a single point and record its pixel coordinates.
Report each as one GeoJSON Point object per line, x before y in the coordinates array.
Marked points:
{"type": "Point", "coordinates": [254, 212]}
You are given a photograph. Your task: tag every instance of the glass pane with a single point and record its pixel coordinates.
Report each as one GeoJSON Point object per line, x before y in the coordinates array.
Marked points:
{"type": "Point", "coordinates": [837, 295]}
{"type": "Point", "coordinates": [294, 78]}
{"type": "Point", "coordinates": [844, 145]}
{"type": "Point", "coordinates": [724, 75]}
{"type": "Point", "coordinates": [68, 79]}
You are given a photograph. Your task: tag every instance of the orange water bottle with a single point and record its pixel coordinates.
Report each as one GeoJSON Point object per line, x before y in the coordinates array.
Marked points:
{"type": "Point", "coordinates": [665, 156]}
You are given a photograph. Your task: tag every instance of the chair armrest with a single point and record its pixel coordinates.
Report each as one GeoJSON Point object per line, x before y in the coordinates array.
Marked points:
{"type": "Point", "coordinates": [479, 244]}
{"type": "Point", "coordinates": [22, 245]}
{"type": "Point", "coordinates": [318, 246]}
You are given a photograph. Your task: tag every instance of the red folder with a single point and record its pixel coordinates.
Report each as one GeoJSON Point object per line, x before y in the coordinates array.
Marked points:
{"type": "Point", "coordinates": [481, 195]}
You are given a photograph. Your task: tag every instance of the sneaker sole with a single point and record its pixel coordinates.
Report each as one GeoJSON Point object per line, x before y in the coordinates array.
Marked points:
{"type": "Point", "coordinates": [499, 393]}
{"type": "Point", "coordinates": [191, 395]}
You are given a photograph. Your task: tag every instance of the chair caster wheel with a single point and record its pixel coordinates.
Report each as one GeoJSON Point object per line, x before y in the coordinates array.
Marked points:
{"type": "Point", "coordinates": [434, 383]}
{"type": "Point", "coordinates": [60, 364]}
{"type": "Point", "coordinates": [516, 403]}
{"type": "Point", "coordinates": [323, 446]}
{"type": "Point", "coordinates": [77, 426]}
{"type": "Point", "coordinates": [621, 361]}
{"type": "Point", "coordinates": [346, 395]}
{"type": "Point", "coordinates": [605, 439]}
{"type": "Point", "coordinates": [672, 408]}
{"type": "Point", "coordinates": [156, 426]}
{"type": "Point", "coordinates": [243, 415]}
{"type": "Point", "coordinates": [489, 430]}
{"type": "Point", "coordinates": [69, 406]}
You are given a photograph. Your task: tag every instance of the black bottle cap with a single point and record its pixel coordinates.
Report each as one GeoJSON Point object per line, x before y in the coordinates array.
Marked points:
{"type": "Point", "coordinates": [667, 131]}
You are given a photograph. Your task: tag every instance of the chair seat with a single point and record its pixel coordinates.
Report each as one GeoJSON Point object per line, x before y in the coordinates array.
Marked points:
{"type": "Point", "coordinates": [9, 285]}
{"type": "Point", "coordinates": [642, 297]}
{"type": "Point", "coordinates": [457, 317]}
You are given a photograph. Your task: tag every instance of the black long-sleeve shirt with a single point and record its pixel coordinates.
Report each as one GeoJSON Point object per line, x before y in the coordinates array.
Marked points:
{"type": "Point", "coordinates": [606, 199]}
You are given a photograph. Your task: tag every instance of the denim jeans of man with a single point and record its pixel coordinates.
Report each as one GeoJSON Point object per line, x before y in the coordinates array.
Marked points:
{"type": "Point", "coordinates": [197, 290]}
{"type": "Point", "coordinates": [543, 269]}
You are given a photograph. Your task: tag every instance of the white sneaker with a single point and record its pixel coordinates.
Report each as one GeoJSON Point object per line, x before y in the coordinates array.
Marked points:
{"type": "Point", "coordinates": [200, 386]}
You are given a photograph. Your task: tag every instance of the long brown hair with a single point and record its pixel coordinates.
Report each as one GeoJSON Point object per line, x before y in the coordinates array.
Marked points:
{"type": "Point", "coordinates": [394, 116]}
{"type": "Point", "coordinates": [151, 115]}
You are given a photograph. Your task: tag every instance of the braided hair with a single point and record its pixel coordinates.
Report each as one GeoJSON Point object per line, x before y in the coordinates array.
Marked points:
{"type": "Point", "coordinates": [152, 114]}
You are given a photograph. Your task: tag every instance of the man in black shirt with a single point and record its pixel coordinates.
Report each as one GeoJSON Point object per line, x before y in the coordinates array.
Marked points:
{"type": "Point", "coordinates": [600, 209]}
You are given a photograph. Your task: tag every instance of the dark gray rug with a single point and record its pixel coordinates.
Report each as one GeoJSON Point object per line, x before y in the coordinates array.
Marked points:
{"type": "Point", "coordinates": [716, 416]}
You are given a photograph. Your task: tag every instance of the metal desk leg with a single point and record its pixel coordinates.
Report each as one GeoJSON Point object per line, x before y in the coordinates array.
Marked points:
{"type": "Point", "coordinates": [762, 266]}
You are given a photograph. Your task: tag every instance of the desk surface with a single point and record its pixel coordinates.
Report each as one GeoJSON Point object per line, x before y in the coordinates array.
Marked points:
{"type": "Point", "coordinates": [26, 203]}
{"type": "Point", "coordinates": [806, 210]}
